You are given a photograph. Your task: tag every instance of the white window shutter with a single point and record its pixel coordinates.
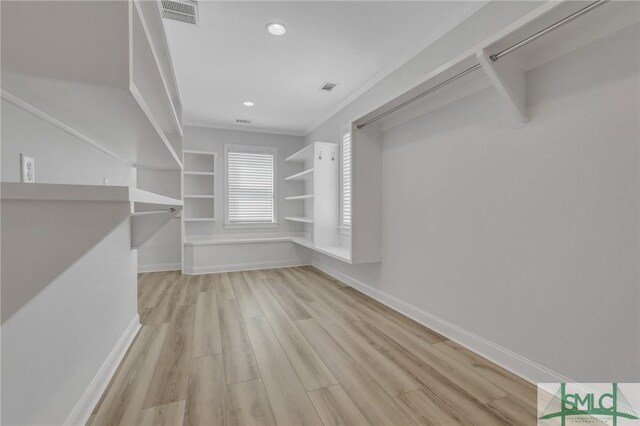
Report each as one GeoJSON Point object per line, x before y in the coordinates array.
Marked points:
{"type": "Point", "coordinates": [250, 187]}
{"type": "Point", "coordinates": [346, 180]}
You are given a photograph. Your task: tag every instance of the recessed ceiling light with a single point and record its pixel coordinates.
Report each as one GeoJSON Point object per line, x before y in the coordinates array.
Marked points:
{"type": "Point", "coordinates": [248, 103]}
{"type": "Point", "coordinates": [276, 28]}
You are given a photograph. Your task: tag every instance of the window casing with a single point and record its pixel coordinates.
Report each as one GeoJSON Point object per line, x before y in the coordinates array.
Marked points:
{"type": "Point", "coordinates": [250, 186]}
{"type": "Point", "coordinates": [345, 180]}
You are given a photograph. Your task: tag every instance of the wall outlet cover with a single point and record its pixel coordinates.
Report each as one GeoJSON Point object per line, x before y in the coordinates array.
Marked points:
{"type": "Point", "coordinates": [28, 169]}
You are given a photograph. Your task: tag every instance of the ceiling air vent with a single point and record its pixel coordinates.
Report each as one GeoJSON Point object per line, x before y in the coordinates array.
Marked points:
{"type": "Point", "coordinates": [182, 11]}
{"type": "Point", "coordinates": [327, 87]}
{"type": "Point", "coordinates": [242, 121]}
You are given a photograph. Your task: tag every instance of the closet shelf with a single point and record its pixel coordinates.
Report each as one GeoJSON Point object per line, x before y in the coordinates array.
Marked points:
{"type": "Point", "coordinates": [300, 219]}
{"type": "Point", "coordinates": [299, 197]}
{"type": "Point", "coordinates": [304, 175]}
{"type": "Point", "coordinates": [148, 211]}
{"type": "Point", "coordinates": [193, 151]}
{"type": "Point", "coordinates": [130, 72]}
{"type": "Point", "coordinates": [200, 173]}
{"type": "Point", "coordinates": [199, 196]}
{"type": "Point", "coordinates": [199, 219]}
{"type": "Point", "coordinates": [304, 155]}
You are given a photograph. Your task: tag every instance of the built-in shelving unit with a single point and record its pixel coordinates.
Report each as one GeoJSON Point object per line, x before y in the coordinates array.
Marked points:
{"type": "Point", "coordinates": [199, 186]}
{"type": "Point", "coordinates": [320, 162]}
{"type": "Point", "coordinates": [121, 93]}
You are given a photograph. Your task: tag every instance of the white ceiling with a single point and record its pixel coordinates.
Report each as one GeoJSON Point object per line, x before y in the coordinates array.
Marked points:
{"type": "Point", "coordinates": [230, 57]}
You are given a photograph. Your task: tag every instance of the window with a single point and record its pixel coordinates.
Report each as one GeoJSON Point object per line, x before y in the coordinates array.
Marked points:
{"type": "Point", "coordinates": [250, 185]}
{"type": "Point", "coordinates": [345, 196]}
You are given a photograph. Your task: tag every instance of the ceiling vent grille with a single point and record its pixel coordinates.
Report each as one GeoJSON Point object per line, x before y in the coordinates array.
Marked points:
{"type": "Point", "coordinates": [327, 87]}
{"type": "Point", "coordinates": [242, 121]}
{"type": "Point", "coordinates": [182, 11]}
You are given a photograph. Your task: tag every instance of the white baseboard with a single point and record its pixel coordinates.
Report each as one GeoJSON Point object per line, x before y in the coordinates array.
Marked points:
{"type": "Point", "coordinates": [160, 267]}
{"type": "Point", "coordinates": [213, 269]}
{"type": "Point", "coordinates": [511, 361]}
{"type": "Point", "coordinates": [83, 409]}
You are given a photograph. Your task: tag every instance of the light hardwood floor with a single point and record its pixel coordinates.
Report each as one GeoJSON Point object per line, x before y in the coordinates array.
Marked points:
{"type": "Point", "coordinates": [291, 347]}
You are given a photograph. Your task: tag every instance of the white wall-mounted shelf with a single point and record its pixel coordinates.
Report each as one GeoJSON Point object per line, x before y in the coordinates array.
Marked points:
{"type": "Point", "coordinates": [120, 93]}
{"type": "Point", "coordinates": [194, 151]}
{"type": "Point", "coordinates": [320, 161]}
{"type": "Point", "coordinates": [508, 74]}
{"type": "Point", "coordinates": [300, 219]}
{"type": "Point", "coordinates": [304, 155]}
{"type": "Point", "coordinates": [199, 185]}
{"type": "Point", "coordinates": [299, 197]}
{"type": "Point", "coordinates": [303, 175]}
{"type": "Point", "coordinates": [200, 173]}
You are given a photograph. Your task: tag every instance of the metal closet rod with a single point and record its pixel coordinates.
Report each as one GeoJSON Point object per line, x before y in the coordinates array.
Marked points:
{"type": "Point", "coordinates": [493, 58]}
{"type": "Point", "coordinates": [143, 213]}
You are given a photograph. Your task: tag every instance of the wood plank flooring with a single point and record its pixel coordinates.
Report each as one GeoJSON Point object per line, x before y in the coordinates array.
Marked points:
{"type": "Point", "coordinates": [293, 346]}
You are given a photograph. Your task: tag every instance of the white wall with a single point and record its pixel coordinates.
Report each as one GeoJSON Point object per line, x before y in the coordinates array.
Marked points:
{"type": "Point", "coordinates": [59, 157]}
{"type": "Point", "coordinates": [524, 235]}
{"type": "Point", "coordinates": [163, 250]}
{"type": "Point", "coordinates": [56, 343]}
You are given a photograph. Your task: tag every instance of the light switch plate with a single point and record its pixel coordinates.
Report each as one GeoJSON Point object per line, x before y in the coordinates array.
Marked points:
{"type": "Point", "coordinates": [28, 169]}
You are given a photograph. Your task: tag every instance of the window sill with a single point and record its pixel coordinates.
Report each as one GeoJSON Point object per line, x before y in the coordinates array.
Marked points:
{"type": "Point", "coordinates": [250, 225]}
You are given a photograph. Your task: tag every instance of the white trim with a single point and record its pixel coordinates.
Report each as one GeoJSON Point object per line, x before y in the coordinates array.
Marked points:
{"type": "Point", "coordinates": [36, 112]}
{"type": "Point", "coordinates": [511, 361]}
{"type": "Point", "coordinates": [243, 267]}
{"type": "Point", "coordinates": [241, 128]}
{"type": "Point", "coordinates": [161, 267]}
{"type": "Point", "coordinates": [399, 62]}
{"type": "Point", "coordinates": [91, 396]}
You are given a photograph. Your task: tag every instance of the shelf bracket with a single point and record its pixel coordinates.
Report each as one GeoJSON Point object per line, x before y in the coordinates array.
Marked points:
{"type": "Point", "coordinates": [510, 83]}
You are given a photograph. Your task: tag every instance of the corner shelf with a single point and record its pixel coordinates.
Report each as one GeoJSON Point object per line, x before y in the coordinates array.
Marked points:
{"type": "Point", "coordinates": [304, 155]}
{"type": "Point", "coordinates": [299, 197]}
{"type": "Point", "coordinates": [304, 175]}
